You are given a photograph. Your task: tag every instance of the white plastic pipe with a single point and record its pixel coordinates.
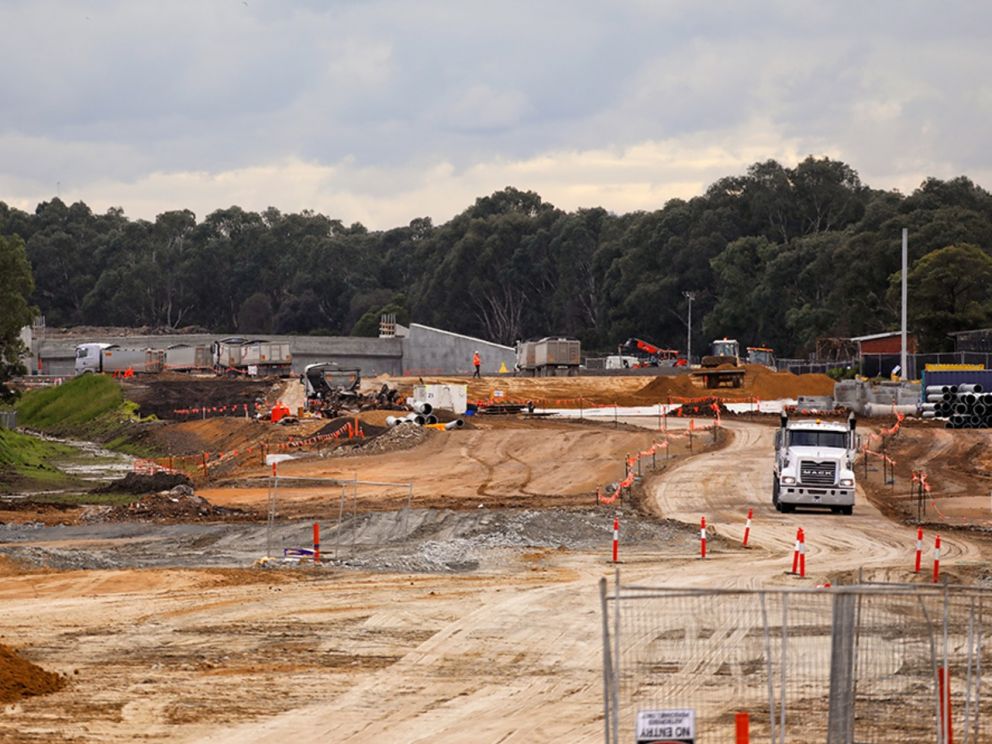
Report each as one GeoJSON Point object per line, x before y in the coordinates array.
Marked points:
{"type": "Point", "coordinates": [420, 406]}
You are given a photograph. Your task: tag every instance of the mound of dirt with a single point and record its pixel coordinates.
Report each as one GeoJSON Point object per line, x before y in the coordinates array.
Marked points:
{"type": "Point", "coordinates": [20, 678]}
{"type": "Point", "coordinates": [369, 428]}
{"type": "Point", "coordinates": [395, 439]}
{"type": "Point", "coordinates": [179, 503]}
{"type": "Point", "coordinates": [164, 396]}
{"type": "Point", "coordinates": [759, 382]}
{"type": "Point", "coordinates": [142, 483]}
{"type": "Point", "coordinates": [706, 407]}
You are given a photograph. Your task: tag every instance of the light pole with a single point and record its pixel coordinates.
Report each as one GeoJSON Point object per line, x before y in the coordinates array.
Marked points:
{"type": "Point", "coordinates": [688, 336]}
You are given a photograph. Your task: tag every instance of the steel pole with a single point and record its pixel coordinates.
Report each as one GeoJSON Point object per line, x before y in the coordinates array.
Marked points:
{"type": "Point", "coordinates": [905, 260]}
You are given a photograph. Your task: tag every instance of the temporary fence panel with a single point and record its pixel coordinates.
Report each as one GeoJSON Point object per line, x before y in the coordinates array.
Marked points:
{"type": "Point", "coordinates": [8, 419]}
{"type": "Point", "coordinates": [852, 664]}
{"type": "Point", "coordinates": [352, 514]}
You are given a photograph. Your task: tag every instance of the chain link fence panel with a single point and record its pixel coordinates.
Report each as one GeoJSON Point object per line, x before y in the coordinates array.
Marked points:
{"type": "Point", "coordinates": [864, 663]}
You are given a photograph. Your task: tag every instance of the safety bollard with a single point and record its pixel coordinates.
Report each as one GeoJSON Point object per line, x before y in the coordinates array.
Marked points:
{"type": "Point", "coordinates": [795, 553]}
{"type": "Point", "coordinates": [802, 554]}
{"type": "Point", "coordinates": [742, 724]}
{"type": "Point", "coordinates": [316, 542]}
{"type": "Point", "coordinates": [702, 537]}
{"type": "Point", "coordinates": [946, 715]}
{"type": "Point", "coordinates": [936, 560]}
{"type": "Point", "coordinates": [616, 538]}
{"type": "Point", "coordinates": [919, 549]}
{"type": "Point", "coordinates": [747, 527]}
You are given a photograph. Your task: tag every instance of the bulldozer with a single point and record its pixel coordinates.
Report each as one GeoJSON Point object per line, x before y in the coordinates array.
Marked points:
{"type": "Point", "coordinates": [722, 366]}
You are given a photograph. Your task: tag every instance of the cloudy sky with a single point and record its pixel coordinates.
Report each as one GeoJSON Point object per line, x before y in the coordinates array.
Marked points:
{"type": "Point", "coordinates": [380, 112]}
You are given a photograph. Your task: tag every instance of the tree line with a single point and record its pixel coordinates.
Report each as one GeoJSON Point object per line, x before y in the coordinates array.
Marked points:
{"type": "Point", "coordinates": [778, 256]}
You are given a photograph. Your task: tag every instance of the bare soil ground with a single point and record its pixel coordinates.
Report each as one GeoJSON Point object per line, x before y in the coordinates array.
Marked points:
{"type": "Point", "coordinates": [958, 464]}
{"type": "Point", "coordinates": [474, 623]}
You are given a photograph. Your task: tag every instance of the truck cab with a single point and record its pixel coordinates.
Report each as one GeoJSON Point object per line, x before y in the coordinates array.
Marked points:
{"type": "Point", "coordinates": [814, 465]}
{"type": "Point", "coordinates": [89, 358]}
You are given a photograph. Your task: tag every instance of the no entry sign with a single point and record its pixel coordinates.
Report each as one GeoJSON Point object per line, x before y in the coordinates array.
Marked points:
{"type": "Point", "coordinates": [674, 726]}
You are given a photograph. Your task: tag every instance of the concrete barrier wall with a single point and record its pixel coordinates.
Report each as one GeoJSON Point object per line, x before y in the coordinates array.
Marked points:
{"type": "Point", "coordinates": [432, 351]}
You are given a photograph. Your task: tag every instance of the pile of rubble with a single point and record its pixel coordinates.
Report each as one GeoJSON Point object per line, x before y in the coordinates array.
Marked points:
{"type": "Point", "coordinates": [701, 407]}
{"type": "Point", "coordinates": [177, 503]}
{"type": "Point", "coordinates": [146, 483]}
{"type": "Point", "coordinates": [395, 439]}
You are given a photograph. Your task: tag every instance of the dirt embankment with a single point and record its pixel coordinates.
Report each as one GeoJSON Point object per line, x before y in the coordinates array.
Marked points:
{"type": "Point", "coordinates": [759, 382]}
{"type": "Point", "coordinates": [958, 465]}
{"type": "Point", "coordinates": [172, 396]}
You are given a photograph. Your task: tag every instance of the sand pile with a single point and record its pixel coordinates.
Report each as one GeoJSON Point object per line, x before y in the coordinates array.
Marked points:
{"type": "Point", "coordinates": [19, 678]}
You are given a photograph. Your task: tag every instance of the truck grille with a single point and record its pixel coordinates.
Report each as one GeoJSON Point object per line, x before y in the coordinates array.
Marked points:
{"type": "Point", "coordinates": [818, 473]}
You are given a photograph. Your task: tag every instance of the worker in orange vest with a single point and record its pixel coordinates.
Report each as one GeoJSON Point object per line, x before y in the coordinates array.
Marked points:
{"type": "Point", "coordinates": [477, 361]}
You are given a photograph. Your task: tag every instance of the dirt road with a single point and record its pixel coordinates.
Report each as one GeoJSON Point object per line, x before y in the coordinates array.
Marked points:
{"type": "Point", "coordinates": [723, 485]}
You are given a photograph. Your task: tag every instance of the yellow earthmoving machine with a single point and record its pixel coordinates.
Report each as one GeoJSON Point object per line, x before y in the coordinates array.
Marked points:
{"type": "Point", "coordinates": [722, 366]}
{"type": "Point", "coordinates": [761, 355]}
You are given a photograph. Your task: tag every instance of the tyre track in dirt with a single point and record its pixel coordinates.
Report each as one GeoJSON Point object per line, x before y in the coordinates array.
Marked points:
{"type": "Point", "coordinates": [523, 665]}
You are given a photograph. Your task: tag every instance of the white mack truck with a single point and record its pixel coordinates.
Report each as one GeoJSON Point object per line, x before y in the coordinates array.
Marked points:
{"type": "Point", "coordinates": [814, 465]}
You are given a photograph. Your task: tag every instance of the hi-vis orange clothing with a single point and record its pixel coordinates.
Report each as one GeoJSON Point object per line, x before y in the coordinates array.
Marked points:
{"type": "Point", "coordinates": [476, 360]}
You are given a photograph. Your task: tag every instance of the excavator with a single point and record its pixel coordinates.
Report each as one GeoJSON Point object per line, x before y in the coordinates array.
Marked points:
{"type": "Point", "coordinates": [649, 354]}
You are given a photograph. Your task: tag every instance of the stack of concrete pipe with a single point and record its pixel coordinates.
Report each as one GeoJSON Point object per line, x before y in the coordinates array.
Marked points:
{"type": "Point", "coordinates": [421, 413]}
{"type": "Point", "coordinates": [964, 406]}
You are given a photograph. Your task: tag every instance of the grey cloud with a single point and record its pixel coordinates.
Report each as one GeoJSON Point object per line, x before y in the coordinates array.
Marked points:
{"type": "Point", "coordinates": [398, 87]}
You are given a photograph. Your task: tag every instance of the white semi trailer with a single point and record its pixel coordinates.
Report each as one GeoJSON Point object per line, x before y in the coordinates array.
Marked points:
{"type": "Point", "coordinates": [814, 465]}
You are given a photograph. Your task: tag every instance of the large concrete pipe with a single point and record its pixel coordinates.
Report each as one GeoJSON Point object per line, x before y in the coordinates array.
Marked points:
{"type": "Point", "coordinates": [935, 389]}
{"type": "Point", "coordinates": [887, 409]}
{"type": "Point", "coordinates": [970, 388]}
{"type": "Point", "coordinates": [431, 419]}
{"type": "Point", "coordinates": [456, 424]}
{"type": "Point", "coordinates": [394, 420]}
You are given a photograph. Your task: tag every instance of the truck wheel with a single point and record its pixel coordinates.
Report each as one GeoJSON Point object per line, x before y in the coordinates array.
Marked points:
{"type": "Point", "coordinates": [847, 510]}
{"type": "Point", "coordinates": [775, 492]}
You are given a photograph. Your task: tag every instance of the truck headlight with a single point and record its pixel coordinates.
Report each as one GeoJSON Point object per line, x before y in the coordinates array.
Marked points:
{"type": "Point", "coordinates": [847, 481]}
{"type": "Point", "coordinates": [788, 480]}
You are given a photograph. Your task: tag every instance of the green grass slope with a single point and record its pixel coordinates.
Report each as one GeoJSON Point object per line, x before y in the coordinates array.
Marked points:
{"type": "Point", "coordinates": [26, 460]}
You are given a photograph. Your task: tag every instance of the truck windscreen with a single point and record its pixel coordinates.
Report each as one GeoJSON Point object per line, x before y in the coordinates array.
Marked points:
{"type": "Point", "coordinates": [800, 438]}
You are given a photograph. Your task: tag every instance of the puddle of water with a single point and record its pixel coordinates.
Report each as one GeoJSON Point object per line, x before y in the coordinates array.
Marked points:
{"type": "Point", "coordinates": [92, 462]}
